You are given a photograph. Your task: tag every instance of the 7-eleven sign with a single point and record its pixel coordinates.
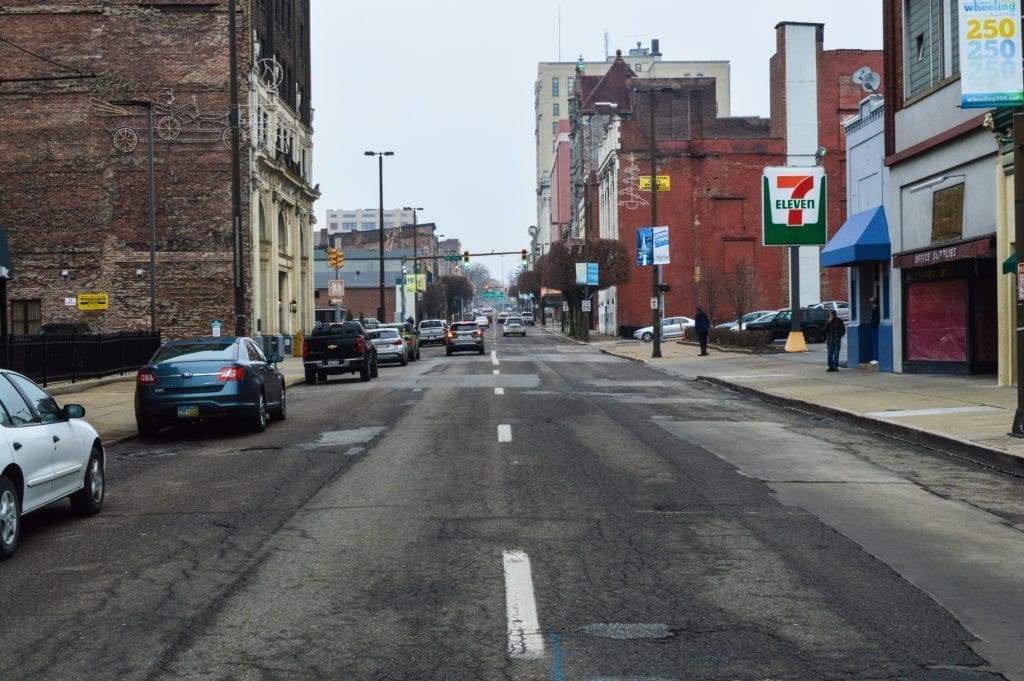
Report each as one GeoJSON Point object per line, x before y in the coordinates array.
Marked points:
{"type": "Point", "coordinates": [794, 206]}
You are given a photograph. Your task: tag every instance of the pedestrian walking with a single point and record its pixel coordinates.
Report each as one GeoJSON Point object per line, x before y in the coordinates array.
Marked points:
{"type": "Point", "coordinates": [702, 325]}
{"type": "Point", "coordinates": [834, 332]}
{"type": "Point", "coordinates": [876, 320]}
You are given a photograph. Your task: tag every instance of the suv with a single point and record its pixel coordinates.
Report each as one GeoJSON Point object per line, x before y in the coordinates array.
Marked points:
{"type": "Point", "coordinates": [812, 323]}
{"type": "Point", "coordinates": [528, 318]}
{"type": "Point", "coordinates": [464, 336]}
{"type": "Point", "coordinates": [432, 331]}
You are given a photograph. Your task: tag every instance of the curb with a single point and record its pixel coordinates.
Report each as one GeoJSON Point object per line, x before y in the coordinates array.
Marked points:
{"type": "Point", "coordinates": [961, 449]}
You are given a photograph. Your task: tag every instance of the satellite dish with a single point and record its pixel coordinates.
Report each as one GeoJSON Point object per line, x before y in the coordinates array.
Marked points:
{"type": "Point", "coordinates": [867, 79]}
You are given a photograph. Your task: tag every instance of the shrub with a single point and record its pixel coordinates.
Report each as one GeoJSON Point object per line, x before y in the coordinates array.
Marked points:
{"type": "Point", "coordinates": [757, 341]}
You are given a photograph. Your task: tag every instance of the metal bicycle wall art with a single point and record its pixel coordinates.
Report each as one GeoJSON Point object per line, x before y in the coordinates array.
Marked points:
{"type": "Point", "coordinates": [184, 124]}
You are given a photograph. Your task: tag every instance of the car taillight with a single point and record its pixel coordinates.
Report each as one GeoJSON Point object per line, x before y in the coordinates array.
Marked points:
{"type": "Point", "coordinates": [231, 373]}
{"type": "Point", "coordinates": [305, 349]}
{"type": "Point", "coordinates": [360, 344]}
{"type": "Point", "coordinates": [397, 341]}
{"type": "Point", "coordinates": [146, 377]}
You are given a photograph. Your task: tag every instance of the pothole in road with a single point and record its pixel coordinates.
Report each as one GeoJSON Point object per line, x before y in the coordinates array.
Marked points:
{"type": "Point", "coordinates": [344, 438]}
{"type": "Point", "coordinates": [623, 632]}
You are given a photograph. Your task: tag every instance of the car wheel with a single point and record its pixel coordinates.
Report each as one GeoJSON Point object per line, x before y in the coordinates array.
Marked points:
{"type": "Point", "coordinates": [321, 377]}
{"type": "Point", "coordinates": [310, 377]}
{"type": "Point", "coordinates": [89, 499]}
{"type": "Point", "coordinates": [647, 337]}
{"type": "Point", "coordinates": [375, 369]}
{"type": "Point", "coordinates": [281, 413]}
{"type": "Point", "coordinates": [148, 430]}
{"type": "Point", "coordinates": [417, 353]}
{"type": "Point", "coordinates": [448, 351]}
{"type": "Point", "coordinates": [404, 360]}
{"type": "Point", "coordinates": [10, 518]}
{"type": "Point", "coordinates": [259, 420]}
{"type": "Point", "coordinates": [813, 335]}
{"type": "Point", "coordinates": [364, 372]}
{"type": "Point", "coordinates": [504, 335]}
{"type": "Point", "coordinates": [481, 349]}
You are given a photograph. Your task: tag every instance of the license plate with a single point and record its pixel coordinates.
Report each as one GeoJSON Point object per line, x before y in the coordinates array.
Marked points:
{"type": "Point", "coordinates": [333, 362]}
{"type": "Point", "coordinates": [188, 411]}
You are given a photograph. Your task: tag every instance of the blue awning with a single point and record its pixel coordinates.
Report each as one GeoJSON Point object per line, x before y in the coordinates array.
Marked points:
{"type": "Point", "coordinates": [863, 237]}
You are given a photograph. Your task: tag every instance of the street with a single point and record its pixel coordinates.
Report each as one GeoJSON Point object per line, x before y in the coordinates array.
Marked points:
{"type": "Point", "coordinates": [542, 511]}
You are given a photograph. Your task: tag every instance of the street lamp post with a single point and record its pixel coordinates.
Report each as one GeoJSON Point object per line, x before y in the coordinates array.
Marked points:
{"type": "Point", "coordinates": [148, 106]}
{"type": "Point", "coordinates": [380, 223]}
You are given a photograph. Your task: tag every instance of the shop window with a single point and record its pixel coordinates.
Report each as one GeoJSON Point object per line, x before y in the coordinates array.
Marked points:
{"type": "Point", "coordinates": [936, 321]}
{"type": "Point", "coordinates": [26, 316]}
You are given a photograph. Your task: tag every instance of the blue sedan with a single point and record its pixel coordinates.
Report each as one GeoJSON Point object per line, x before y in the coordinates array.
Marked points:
{"type": "Point", "coordinates": [210, 378]}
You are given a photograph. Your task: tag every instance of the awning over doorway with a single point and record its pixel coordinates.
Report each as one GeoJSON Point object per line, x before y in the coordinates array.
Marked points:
{"type": "Point", "coordinates": [863, 237]}
{"type": "Point", "coordinates": [1010, 264]}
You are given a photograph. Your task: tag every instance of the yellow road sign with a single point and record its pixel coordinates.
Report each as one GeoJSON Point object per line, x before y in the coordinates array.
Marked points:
{"type": "Point", "coordinates": [664, 183]}
{"type": "Point", "coordinates": [93, 301]}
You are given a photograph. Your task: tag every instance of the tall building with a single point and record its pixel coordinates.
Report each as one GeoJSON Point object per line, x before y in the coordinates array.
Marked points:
{"type": "Point", "coordinates": [366, 219]}
{"type": "Point", "coordinates": [553, 92]}
{"type": "Point", "coordinates": [79, 80]}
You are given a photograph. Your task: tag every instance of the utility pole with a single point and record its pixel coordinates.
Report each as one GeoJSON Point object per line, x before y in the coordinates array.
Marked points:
{"type": "Point", "coordinates": [1018, 222]}
{"type": "Point", "coordinates": [236, 176]}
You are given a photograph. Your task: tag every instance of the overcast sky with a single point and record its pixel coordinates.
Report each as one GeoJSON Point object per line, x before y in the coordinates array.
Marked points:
{"type": "Point", "coordinates": [448, 86]}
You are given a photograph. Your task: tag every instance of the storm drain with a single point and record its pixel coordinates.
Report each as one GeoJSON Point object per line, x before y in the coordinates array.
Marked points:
{"type": "Point", "coordinates": [625, 632]}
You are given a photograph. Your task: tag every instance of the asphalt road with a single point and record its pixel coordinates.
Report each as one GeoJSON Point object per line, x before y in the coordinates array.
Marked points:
{"type": "Point", "coordinates": [543, 511]}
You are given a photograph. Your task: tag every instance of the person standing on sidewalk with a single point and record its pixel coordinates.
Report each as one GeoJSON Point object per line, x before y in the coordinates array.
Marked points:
{"type": "Point", "coordinates": [876, 320]}
{"type": "Point", "coordinates": [834, 332]}
{"type": "Point", "coordinates": [702, 325]}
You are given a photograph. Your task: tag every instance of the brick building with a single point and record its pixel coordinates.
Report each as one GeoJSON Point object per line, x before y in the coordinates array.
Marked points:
{"type": "Point", "coordinates": [75, 163]}
{"type": "Point", "coordinates": [713, 205]}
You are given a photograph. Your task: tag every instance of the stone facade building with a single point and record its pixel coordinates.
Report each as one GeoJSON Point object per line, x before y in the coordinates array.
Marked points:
{"type": "Point", "coordinates": [78, 78]}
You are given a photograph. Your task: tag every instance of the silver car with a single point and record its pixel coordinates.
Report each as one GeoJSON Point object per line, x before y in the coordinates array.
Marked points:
{"type": "Point", "coordinates": [513, 327]}
{"type": "Point", "coordinates": [390, 345]}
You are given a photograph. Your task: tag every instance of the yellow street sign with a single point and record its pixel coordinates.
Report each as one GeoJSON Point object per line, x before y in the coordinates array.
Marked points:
{"type": "Point", "coordinates": [93, 301]}
{"type": "Point", "coordinates": [664, 183]}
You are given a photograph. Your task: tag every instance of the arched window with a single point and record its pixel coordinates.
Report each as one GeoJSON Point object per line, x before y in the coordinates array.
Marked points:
{"type": "Point", "coordinates": [282, 232]}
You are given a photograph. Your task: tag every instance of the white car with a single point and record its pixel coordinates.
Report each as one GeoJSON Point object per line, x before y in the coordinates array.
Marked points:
{"type": "Point", "coordinates": [513, 326]}
{"type": "Point", "coordinates": [390, 345]}
{"type": "Point", "coordinates": [749, 317]}
{"type": "Point", "coordinates": [483, 321]}
{"type": "Point", "coordinates": [671, 327]}
{"type": "Point", "coordinates": [841, 307]}
{"type": "Point", "coordinates": [47, 453]}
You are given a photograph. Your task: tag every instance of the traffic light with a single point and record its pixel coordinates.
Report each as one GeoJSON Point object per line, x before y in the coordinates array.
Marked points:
{"type": "Point", "coordinates": [524, 257]}
{"type": "Point", "coordinates": [335, 258]}
{"type": "Point", "coordinates": [465, 259]}
{"type": "Point", "coordinates": [487, 287]}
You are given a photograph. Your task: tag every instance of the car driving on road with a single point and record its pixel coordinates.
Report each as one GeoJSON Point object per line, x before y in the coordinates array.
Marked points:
{"type": "Point", "coordinates": [390, 345]}
{"type": "Point", "coordinates": [513, 327]}
{"type": "Point", "coordinates": [464, 336]}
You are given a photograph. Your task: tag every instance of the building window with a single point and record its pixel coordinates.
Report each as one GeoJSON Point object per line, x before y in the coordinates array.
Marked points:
{"type": "Point", "coordinates": [554, 86]}
{"type": "Point", "coordinates": [554, 128]}
{"type": "Point", "coordinates": [554, 109]}
{"type": "Point", "coordinates": [348, 226]}
{"type": "Point", "coordinates": [26, 316]}
{"type": "Point", "coordinates": [570, 82]}
{"type": "Point", "coordinates": [369, 225]}
{"type": "Point", "coordinates": [282, 233]}
{"type": "Point", "coordinates": [334, 226]}
{"type": "Point", "coordinates": [638, 68]}
{"type": "Point", "coordinates": [932, 51]}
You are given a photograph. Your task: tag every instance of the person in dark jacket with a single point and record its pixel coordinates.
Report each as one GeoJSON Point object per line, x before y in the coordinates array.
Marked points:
{"type": "Point", "coordinates": [834, 332]}
{"type": "Point", "coordinates": [702, 325]}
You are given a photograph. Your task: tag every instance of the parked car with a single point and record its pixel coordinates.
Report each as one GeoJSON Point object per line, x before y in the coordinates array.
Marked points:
{"type": "Point", "coordinates": [464, 336]}
{"type": "Point", "coordinates": [528, 319]}
{"type": "Point", "coordinates": [41, 441]}
{"type": "Point", "coordinates": [390, 345]}
{"type": "Point", "coordinates": [483, 321]}
{"type": "Point", "coordinates": [812, 323]}
{"type": "Point", "coordinates": [671, 327]}
{"type": "Point", "coordinates": [210, 378]}
{"type": "Point", "coordinates": [432, 331]}
{"type": "Point", "coordinates": [749, 317]}
{"type": "Point", "coordinates": [841, 307]}
{"type": "Point", "coordinates": [412, 339]}
{"type": "Point", "coordinates": [513, 326]}
{"type": "Point", "coordinates": [370, 322]}
{"type": "Point", "coordinates": [63, 328]}
{"type": "Point", "coordinates": [338, 348]}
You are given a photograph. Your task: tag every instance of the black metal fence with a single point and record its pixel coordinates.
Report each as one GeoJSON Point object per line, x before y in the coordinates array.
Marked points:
{"type": "Point", "coordinates": [48, 358]}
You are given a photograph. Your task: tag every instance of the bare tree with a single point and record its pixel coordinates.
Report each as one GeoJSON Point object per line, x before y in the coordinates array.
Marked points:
{"type": "Point", "coordinates": [744, 289]}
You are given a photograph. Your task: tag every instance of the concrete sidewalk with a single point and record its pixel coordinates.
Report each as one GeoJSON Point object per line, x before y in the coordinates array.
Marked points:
{"type": "Point", "coordinates": [967, 416]}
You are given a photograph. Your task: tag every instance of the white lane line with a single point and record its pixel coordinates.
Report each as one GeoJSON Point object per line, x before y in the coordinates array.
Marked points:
{"type": "Point", "coordinates": [499, 391]}
{"type": "Point", "coordinates": [504, 433]}
{"type": "Point", "coordinates": [496, 372]}
{"type": "Point", "coordinates": [525, 640]}
{"type": "Point", "coordinates": [494, 357]}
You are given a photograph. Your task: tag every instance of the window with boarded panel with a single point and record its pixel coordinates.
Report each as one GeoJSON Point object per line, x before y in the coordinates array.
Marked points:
{"type": "Point", "coordinates": [948, 214]}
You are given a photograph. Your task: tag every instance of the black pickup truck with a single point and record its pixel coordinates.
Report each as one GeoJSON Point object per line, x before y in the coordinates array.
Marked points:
{"type": "Point", "coordinates": [338, 348]}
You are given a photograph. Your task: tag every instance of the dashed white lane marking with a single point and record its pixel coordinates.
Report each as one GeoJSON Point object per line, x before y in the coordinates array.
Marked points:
{"type": "Point", "coordinates": [499, 391]}
{"type": "Point", "coordinates": [494, 357]}
{"type": "Point", "coordinates": [496, 372]}
{"type": "Point", "coordinates": [504, 433]}
{"type": "Point", "coordinates": [524, 636]}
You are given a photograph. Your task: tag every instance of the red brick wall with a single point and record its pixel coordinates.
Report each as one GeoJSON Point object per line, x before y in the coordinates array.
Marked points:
{"type": "Point", "coordinates": [71, 201]}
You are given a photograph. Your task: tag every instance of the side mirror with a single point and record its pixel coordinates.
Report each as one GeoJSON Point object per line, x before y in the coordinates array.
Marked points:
{"type": "Point", "coordinates": [73, 411]}
{"type": "Point", "coordinates": [274, 359]}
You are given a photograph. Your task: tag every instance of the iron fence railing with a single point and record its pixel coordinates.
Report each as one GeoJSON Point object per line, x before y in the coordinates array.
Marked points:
{"type": "Point", "coordinates": [51, 357]}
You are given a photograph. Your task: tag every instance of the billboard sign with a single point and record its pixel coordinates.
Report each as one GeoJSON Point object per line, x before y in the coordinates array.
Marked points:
{"type": "Point", "coordinates": [990, 59]}
{"type": "Point", "coordinates": [794, 206]}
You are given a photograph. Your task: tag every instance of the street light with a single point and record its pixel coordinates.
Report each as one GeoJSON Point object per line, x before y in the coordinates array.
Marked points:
{"type": "Point", "coordinates": [148, 106]}
{"type": "Point", "coordinates": [380, 222]}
